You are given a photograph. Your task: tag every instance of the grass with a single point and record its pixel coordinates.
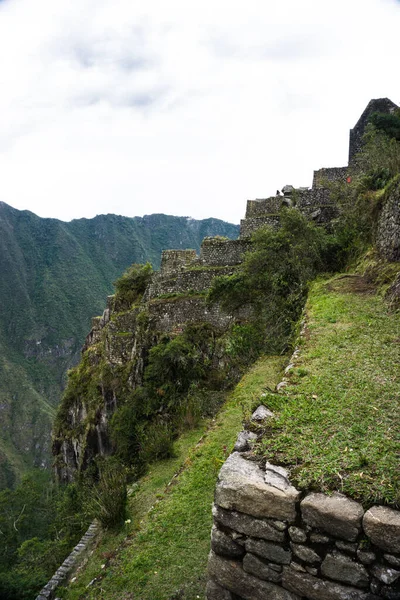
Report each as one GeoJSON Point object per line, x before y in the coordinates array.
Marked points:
{"type": "Point", "coordinates": [337, 424]}
{"type": "Point", "coordinates": [164, 554]}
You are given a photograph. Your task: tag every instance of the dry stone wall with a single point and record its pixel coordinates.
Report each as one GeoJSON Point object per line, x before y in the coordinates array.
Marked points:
{"type": "Point", "coordinates": [221, 252]}
{"type": "Point", "coordinates": [269, 540]}
{"type": "Point", "coordinates": [331, 175]}
{"type": "Point", "coordinates": [388, 232]}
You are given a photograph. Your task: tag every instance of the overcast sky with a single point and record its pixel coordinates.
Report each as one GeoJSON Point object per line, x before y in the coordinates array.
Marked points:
{"type": "Point", "coordinates": [182, 107]}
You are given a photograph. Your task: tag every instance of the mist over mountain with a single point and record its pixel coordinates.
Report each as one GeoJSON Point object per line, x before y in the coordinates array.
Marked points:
{"type": "Point", "coordinates": [54, 276]}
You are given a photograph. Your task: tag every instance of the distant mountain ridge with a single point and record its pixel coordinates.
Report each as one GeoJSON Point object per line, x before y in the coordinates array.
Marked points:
{"type": "Point", "coordinates": [54, 276]}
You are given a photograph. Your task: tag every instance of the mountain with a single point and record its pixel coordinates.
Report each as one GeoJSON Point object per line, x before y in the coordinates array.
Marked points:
{"type": "Point", "coordinates": [54, 278]}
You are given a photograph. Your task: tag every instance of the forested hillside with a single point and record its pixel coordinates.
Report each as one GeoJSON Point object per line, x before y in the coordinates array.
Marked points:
{"type": "Point", "coordinates": [54, 278]}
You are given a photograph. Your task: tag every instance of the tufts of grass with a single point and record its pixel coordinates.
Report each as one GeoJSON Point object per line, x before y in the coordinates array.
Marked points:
{"type": "Point", "coordinates": [163, 552]}
{"type": "Point", "coordinates": [337, 425]}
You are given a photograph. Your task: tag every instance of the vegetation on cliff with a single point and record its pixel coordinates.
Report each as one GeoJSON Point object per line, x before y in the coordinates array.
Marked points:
{"type": "Point", "coordinates": [54, 278]}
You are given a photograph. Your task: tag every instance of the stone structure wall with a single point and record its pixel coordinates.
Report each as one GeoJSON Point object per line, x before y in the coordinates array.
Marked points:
{"type": "Point", "coordinates": [70, 563]}
{"type": "Point", "coordinates": [260, 207]}
{"type": "Point", "coordinates": [197, 280]}
{"type": "Point", "coordinates": [249, 225]}
{"type": "Point", "coordinates": [388, 231]}
{"type": "Point", "coordinates": [383, 105]}
{"type": "Point", "coordinates": [331, 175]}
{"type": "Point", "coordinates": [220, 252]}
{"type": "Point", "coordinates": [271, 541]}
{"type": "Point", "coordinates": [174, 260]}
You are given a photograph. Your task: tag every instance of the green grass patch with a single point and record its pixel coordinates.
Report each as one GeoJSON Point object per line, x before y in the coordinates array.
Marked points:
{"type": "Point", "coordinates": [337, 424]}
{"type": "Point", "coordinates": [163, 555]}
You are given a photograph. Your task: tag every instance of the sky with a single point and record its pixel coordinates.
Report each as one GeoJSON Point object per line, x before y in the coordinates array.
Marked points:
{"type": "Point", "coordinates": [182, 107]}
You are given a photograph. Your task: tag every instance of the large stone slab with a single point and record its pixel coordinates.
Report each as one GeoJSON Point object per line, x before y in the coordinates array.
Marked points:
{"type": "Point", "coordinates": [230, 575]}
{"type": "Point", "coordinates": [273, 552]}
{"type": "Point", "coordinates": [251, 526]}
{"type": "Point", "coordinates": [343, 569]}
{"type": "Point", "coordinates": [335, 514]}
{"type": "Point", "coordinates": [313, 588]}
{"type": "Point", "coordinates": [382, 525]}
{"type": "Point", "coordinates": [241, 487]}
{"type": "Point", "coordinates": [255, 566]}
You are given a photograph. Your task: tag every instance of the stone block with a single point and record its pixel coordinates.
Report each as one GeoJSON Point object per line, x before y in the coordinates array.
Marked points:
{"type": "Point", "coordinates": [312, 588]}
{"type": "Point", "coordinates": [272, 552]}
{"type": "Point", "coordinates": [306, 554]}
{"type": "Point", "coordinates": [261, 414]}
{"type": "Point", "coordinates": [382, 525]}
{"type": "Point", "coordinates": [297, 535]}
{"type": "Point", "coordinates": [250, 526]}
{"type": "Point", "coordinates": [230, 575]}
{"type": "Point", "coordinates": [392, 560]}
{"type": "Point", "coordinates": [385, 574]}
{"type": "Point", "coordinates": [241, 487]}
{"type": "Point", "coordinates": [342, 568]}
{"type": "Point", "coordinates": [367, 558]}
{"type": "Point", "coordinates": [243, 439]}
{"type": "Point", "coordinates": [221, 543]}
{"type": "Point", "coordinates": [215, 592]}
{"type": "Point", "coordinates": [255, 566]}
{"type": "Point", "coordinates": [335, 514]}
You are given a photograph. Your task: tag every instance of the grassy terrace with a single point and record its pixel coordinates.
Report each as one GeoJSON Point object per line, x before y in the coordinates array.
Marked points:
{"type": "Point", "coordinates": [162, 554]}
{"type": "Point", "coordinates": [337, 424]}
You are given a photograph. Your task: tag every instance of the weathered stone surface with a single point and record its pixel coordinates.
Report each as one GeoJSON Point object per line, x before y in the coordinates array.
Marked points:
{"type": "Point", "coordinates": [335, 514]}
{"type": "Point", "coordinates": [230, 574]}
{"type": "Point", "coordinates": [392, 560]}
{"type": "Point", "coordinates": [367, 558]}
{"type": "Point", "coordinates": [243, 439]}
{"type": "Point", "coordinates": [318, 538]}
{"type": "Point", "coordinates": [272, 552]}
{"type": "Point", "coordinates": [342, 568]}
{"type": "Point", "coordinates": [251, 526]}
{"type": "Point", "coordinates": [254, 565]}
{"type": "Point", "coordinates": [385, 574]}
{"type": "Point", "coordinates": [346, 546]}
{"type": "Point", "coordinates": [317, 589]}
{"type": "Point", "coordinates": [241, 487]}
{"type": "Point", "coordinates": [305, 553]}
{"type": "Point", "coordinates": [221, 543]}
{"type": "Point", "coordinates": [215, 592]}
{"type": "Point", "coordinates": [297, 535]}
{"type": "Point", "coordinates": [382, 525]}
{"type": "Point", "coordinates": [277, 477]}
{"type": "Point", "coordinates": [261, 413]}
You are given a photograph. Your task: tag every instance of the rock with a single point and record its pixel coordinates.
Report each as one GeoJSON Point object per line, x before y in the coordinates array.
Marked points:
{"type": "Point", "coordinates": [250, 526]}
{"type": "Point", "coordinates": [221, 543]}
{"type": "Point", "coordinates": [335, 514]}
{"type": "Point", "coordinates": [297, 535]}
{"type": "Point", "coordinates": [296, 567]}
{"type": "Point", "coordinates": [382, 525]}
{"type": "Point", "coordinates": [272, 552]}
{"type": "Point", "coordinates": [215, 592]}
{"type": "Point", "coordinates": [241, 487]}
{"type": "Point", "coordinates": [385, 574]}
{"type": "Point", "coordinates": [367, 558]}
{"type": "Point", "coordinates": [392, 560]}
{"type": "Point", "coordinates": [230, 575]}
{"type": "Point", "coordinates": [343, 569]}
{"type": "Point", "coordinates": [287, 190]}
{"type": "Point", "coordinates": [318, 538]}
{"type": "Point", "coordinates": [310, 587]}
{"type": "Point", "coordinates": [277, 477]}
{"type": "Point", "coordinates": [346, 546]}
{"type": "Point", "coordinates": [261, 413]}
{"type": "Point", "coordinates": [255, 566]}
{"type": "Point", "coordinates": [282, 384]}
{"type": "Point", "coordinates": [243, 439]}
{"type": "Point", "coordinates": [305, 553]}
{"type": "Point", "coordinates": [312, 571]}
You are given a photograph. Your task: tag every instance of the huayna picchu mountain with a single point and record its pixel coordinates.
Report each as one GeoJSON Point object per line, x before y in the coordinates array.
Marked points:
{"type": "Point", "coordinates": [54, 277]}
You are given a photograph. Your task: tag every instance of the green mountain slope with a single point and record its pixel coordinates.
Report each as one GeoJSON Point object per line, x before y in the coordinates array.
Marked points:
{"type": "Point", "coordinates": [54, 278]}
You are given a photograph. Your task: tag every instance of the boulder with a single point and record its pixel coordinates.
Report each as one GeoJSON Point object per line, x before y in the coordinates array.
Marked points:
{"type": "Point", "coordinates": [241, 487]}
{"type": "Point", "coordinates": [382, 525]}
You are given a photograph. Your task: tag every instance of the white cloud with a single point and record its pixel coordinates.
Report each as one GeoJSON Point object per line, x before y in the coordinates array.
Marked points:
{"type": "Point", "coordinates": [182, 107]}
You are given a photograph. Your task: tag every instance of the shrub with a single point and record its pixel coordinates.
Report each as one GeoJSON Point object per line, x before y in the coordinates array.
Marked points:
{"type": "Point", "coordinates": [131, 286]}
{"type": "Point", "coordinates": [106, 499]}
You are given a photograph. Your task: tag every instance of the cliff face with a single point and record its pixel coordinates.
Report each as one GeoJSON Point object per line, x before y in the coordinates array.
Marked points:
{"type": "Point", "coordinates": [54, 277]}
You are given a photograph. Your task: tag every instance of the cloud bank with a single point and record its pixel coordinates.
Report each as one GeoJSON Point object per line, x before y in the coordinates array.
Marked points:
{"type": "Point", "coordinates": [182, 107]}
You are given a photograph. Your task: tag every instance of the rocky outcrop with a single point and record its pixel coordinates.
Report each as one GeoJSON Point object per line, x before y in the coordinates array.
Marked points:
{"type": "Point", "coordinates": [388, 231]}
